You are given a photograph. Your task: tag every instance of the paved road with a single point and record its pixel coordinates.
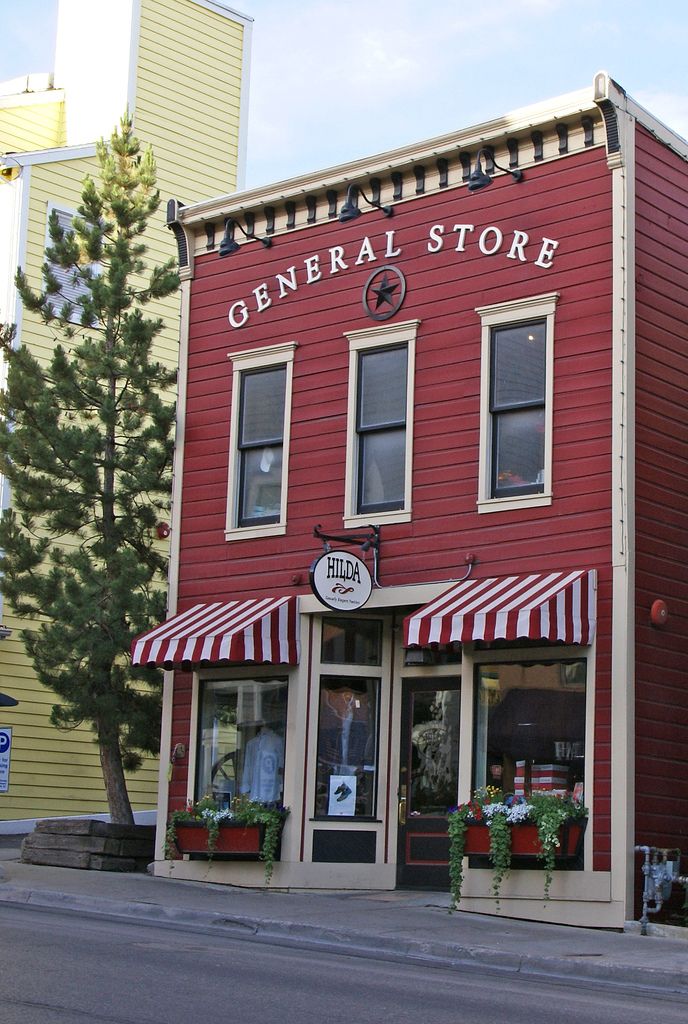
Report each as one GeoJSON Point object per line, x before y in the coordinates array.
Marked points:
{"type": "Point", "coordinates": [63, 969]}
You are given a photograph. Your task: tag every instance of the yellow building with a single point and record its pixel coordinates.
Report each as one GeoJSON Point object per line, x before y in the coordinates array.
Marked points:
{"type": "Point", "coordinates": [181, 68]}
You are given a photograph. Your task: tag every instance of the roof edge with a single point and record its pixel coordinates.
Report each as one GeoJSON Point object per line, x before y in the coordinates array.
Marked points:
{"type": "Point", "coordinates": [521, 119]}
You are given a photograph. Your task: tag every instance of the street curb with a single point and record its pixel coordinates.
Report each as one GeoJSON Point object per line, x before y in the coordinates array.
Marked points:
{"type": "Point", "coordinates": [354, 943]}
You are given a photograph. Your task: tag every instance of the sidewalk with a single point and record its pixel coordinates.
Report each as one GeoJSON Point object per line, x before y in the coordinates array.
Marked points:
{"type": "Point", "coordinates": [397, 925]}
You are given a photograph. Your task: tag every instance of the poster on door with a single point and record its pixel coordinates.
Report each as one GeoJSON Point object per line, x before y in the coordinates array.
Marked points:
{"type": "Point", "coordinates": [342, 795]}
{"type": "Point", "coordinates": [5, 747]}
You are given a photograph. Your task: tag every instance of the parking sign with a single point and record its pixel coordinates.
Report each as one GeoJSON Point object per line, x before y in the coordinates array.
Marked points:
{"type": "Point", "coordinates": [5, 747]}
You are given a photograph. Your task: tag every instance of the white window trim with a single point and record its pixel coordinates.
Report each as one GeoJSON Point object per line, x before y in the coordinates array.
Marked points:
{"type": "Point", "coordinates": [538, 307]}
{"type": "Point", "coordinates": [253, 359]}
{"type": "Point", "coordinates": [372, 338]}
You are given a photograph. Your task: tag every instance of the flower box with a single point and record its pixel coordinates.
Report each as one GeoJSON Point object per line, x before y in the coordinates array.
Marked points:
{"type": "Point", "coordinates": [525, 841]}
{"type": "Point", "coordinates": [235, 841]}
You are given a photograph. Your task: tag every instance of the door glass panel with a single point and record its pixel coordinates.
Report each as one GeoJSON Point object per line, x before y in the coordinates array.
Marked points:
{"type": "Point", "coordinates": [346, 780]}
{"type": "Point", "coordinates": [434, 767]}
{"type": "Point", "coordinates": [351, 641]}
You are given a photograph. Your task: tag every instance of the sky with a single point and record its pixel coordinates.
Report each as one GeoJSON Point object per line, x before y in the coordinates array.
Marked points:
{"type": "Point", "coordinates": [336, 80]}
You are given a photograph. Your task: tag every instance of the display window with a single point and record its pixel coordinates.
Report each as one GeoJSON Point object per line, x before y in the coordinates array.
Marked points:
{"type": "Point", "coordinates": [530, 727]}
{"type": "Point", "coordinates": [241, 740]}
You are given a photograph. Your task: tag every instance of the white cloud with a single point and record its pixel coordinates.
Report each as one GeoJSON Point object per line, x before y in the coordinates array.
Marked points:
{"type": "Point", "coordinates": [335, 81]}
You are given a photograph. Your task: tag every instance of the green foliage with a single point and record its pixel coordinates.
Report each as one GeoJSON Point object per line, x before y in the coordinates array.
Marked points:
{"type": "Point", "coordinates": [500, 850]}
{"type": "Point", "coordinates": [86, 445]}
{"type": "Point", "coordinates": [549, 814]}
{"type": "Point", "coordinates": [457, 823]}
{"type": "Point", "coordinates": [500, 814]}
{"type": "Point", "coordinates": [243, 812]}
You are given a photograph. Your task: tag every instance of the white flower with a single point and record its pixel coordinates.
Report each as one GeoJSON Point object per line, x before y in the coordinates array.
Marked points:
{"type": "Point", "coordinates": [210, 815]}
{"type": "Point", "coordinates": [517, 813]}
{"type": "Point", "coordinates": [490, 809]}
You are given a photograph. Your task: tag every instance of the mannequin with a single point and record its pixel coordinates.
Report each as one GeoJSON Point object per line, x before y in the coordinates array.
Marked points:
{"type": "Point", "coordinates": [261, 778]}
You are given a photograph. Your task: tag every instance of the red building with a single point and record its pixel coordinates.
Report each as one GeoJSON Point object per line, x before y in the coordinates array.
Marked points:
{"type": "Point", "coordinates": [480, 393]}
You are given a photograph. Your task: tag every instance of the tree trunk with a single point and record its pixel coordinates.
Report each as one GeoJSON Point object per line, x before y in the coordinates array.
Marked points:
{"type": "Point", "coordinates": [115, 784]}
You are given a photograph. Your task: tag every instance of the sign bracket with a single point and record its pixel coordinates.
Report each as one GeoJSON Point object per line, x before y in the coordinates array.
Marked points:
{"type": "Point", "coordinates": [366, 542]}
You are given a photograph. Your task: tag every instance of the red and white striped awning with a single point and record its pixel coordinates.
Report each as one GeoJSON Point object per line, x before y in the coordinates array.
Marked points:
{"type": "Point", "coordinates": [255, 630]}
{"type": "Point", "coordinates": [541, 606]}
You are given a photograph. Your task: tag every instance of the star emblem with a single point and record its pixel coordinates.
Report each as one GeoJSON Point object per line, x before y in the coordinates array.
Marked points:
{"type": "Point", "coordinates": [384, 292]}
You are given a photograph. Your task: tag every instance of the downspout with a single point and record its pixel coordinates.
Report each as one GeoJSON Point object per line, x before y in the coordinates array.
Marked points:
{"type": "Point", "coordinates": [620, 142]}
{"type": "Point", "coordinates": [168, 751]}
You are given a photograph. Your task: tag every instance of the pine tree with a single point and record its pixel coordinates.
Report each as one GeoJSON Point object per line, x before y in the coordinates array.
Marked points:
{"type": "Point", "coordinates": [86, 445]}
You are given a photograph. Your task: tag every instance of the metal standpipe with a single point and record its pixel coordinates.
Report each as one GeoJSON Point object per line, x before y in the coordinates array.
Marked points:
{"type": "Point", "coordinates": [660, 870]}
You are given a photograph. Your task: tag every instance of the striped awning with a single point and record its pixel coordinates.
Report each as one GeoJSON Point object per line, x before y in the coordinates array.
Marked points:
{"type": "Point", "coordinates": [540, 606]}
{"type": "Point", "coordinates": [257, 630]}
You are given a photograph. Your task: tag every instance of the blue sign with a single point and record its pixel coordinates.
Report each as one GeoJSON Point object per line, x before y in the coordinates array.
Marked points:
{"type": "Point", "coordinates": [5, 745]}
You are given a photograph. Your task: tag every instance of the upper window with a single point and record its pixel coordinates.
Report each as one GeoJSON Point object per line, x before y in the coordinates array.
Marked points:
{"type": "Point", "coordinates": [260, 441]}
{"type": "Point", "coordinates": [516, 419]}
{"type": "Point", "coordinates": [517, 409]}
{"type": "Point", "coordinates": [72, 287]}
{"type": "Point", "coordinates": [380, 423]}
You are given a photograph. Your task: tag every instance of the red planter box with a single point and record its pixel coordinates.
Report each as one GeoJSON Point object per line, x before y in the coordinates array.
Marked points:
{"type": "Point", "coordinates": [524, 839]}
{"type": "Point", "coordinates": [235, 841]}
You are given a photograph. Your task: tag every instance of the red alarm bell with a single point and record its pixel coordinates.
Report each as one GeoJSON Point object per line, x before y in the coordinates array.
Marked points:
{"type": "Point", "coordinates": [659, 612]}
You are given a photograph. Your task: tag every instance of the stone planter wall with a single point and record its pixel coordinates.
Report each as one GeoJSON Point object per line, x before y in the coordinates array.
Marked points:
{"type": "Point", "coordinates": [90, 844]}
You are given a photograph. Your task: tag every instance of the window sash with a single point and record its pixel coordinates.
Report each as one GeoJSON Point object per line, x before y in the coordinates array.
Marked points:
{"type": "Point", "coordinates": [517, 408]}
{"type": "Point", "coordinates": [260, 448]}
{"type": "Point", "coordinates": [381, 429]}
{"type": "Point", "coordinates": [365, 418]}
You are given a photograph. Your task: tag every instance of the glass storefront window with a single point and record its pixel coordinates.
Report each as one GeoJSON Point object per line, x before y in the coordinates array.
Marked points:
{"type": "Point", "coordinates": [351, 641]}
{"type": "Point", "coordinates": [346, 779]}
{"type": "Point", "coordinates": [530, 727]}
{"type": "Point", "coordinates": [241, 740]}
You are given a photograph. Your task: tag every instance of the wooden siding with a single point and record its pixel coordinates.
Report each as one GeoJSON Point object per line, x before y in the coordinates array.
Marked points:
{"type": "Point", "coordinates": [189, 61]}
{"type": "Point", "coordinates": [188, 96]}
{"type": "Point", "coordinates": [29, 126]}
{"type": "Point", "coordinates": [568, 201]}
{"type": "Point", "coordinates": [661, 486]}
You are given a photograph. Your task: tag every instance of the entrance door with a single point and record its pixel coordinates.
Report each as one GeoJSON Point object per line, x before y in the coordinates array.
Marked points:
{"type": "Point", "coordinates": [428, 780]}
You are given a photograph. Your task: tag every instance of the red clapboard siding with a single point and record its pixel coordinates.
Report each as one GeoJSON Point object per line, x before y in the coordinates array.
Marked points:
{"type": "Point", "coordinates": [568, 200]}
{"type": "Point", "coordinates": [661, 483]}
{"type": "Point", "coordinates": [317, 315]}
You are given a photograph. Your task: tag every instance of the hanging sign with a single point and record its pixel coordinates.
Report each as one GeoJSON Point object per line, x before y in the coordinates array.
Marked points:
{"type": "Point", "coordinates": [341, 581]}
{"type": "Point", "coordinates": [5, 747]}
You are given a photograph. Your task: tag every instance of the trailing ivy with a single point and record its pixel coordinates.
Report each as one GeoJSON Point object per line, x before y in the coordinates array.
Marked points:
{"type": "Point", "coordinates": [500, 847]}
{"type": "Point", "coordinates": [243, 812]}
{"type": "Point", "coordinates": [500, 813]}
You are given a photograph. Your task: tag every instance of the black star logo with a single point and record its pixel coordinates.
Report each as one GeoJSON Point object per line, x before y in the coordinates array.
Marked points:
{"type": "Point", "coordinates": [384, 291]}
{"type": "Point", "coordinates": [388, 285]}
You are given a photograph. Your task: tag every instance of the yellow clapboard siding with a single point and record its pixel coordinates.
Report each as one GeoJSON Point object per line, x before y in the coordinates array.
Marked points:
{"type": "Point", "coordinates": [187, 105]}
{"type": "Point", "coordinates": [178, 80]}
{"type": "Point", "coordinates": [25, 127]}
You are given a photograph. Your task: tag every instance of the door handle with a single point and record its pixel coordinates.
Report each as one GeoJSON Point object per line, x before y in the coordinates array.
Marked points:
{"type": "Point", "coordinates": [402, 805]}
